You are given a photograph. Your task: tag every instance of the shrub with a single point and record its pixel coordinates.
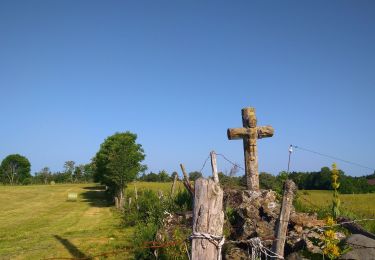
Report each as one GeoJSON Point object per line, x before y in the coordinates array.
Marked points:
{"type": "Point", "coordinates": [144, 232]}
{"type": "Point", "coordinates": [27, 181]}
{"type": "Point", "coordinates": [184, 200]}
{"type": "Point", "coordinates": [150, 208]}
{"type": "Point", "coordinates": [148, 220]}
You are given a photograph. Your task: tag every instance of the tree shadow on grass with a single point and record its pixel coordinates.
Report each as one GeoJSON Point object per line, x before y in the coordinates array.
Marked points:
{"type": "Point", "coordinates": [96, 187]}
{"type": "Point", "coordinates": [73, 250]}
{"type": "Point", "coordinates": [96, 196]}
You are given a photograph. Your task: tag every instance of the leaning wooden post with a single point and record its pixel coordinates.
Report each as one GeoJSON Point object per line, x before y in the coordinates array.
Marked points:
{"type": "Point", "coordinates": [186, 181]}
{"type": "Point", "coordinates": [214, 166]}
{"type": "Point", "coordinates": [282, 224]}
{"type": "Point", "coordinates": [208, 220]}
{"type": "Point", "coordinates": [174, 184]}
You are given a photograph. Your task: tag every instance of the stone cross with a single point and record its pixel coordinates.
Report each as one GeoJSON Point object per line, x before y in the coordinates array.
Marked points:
{"type": "Point", "coordinates": [250, 132]}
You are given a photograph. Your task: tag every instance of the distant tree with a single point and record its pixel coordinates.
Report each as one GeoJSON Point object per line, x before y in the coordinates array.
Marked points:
{"type": "Point", "coordinates": [267, 181]}
{"type": "Point", "coordinates": [44, 175]}
{"type": "Point", "coordinates": [230, 182]}
{"type": "Point", "coordinates": [78, 172]}
{"type": "Point", "coordinates": [15, 168]}
{"type": "Point", "coordinates": [164, 176]}
{"type": "Point", "coordinates": [371, 176]}
{"type": "Point", "coordinates": [69, 169]}
{"type": "Point", "coordinates": [88, 172]}
{"type": "Point", "coordinates": [323, 182]}
{"type": "Point", "coordinates": [282, 176]}
{"type": "Point", "coordinates": [151, 177]}
{"type": "Point", "coordinates": [61, 177]}
{"type": "Point", "coordinates": [118, 162]}
{"type": "Point", "coordinates": [194, 175]}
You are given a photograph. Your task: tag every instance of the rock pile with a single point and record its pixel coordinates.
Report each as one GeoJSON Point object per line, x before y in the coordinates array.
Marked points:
{"type": "Point", "coordinates": [255, 213]}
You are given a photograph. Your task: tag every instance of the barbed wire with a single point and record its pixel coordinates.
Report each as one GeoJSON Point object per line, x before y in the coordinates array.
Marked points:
{"type": "Point", "coordinates": [234, 164]}
{"type": "Point", "coordinates": [204, 164]}
{"type": "Point", "coordinates": [225, 158]}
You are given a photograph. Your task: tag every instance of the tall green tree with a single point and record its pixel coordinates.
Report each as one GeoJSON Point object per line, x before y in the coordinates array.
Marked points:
{"type": "Point", "coordinates": [193, 176]}
{"type": "Point", "coordinates": [88, 172]}
{"type": "Point", "coordinates": [118, 162]}
{"type": "Point", "coordinates": [15, 168]}
{"type": "Point", "coordinates": [164, 176]}
{"type": "Point", "coordinates": [79, 172]}
{"type": "Point", "coordinates": [69, 169]}
{"type": "Point", "coordinates": [44, 174]}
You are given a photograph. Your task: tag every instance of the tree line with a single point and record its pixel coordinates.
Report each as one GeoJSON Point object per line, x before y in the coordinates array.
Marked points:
{"type": "Point", "coordinates": [317, 180]}
{"type": "Point", "coordinates": [163, 176]}
{"type": "Point", "coordinates": [321, 180]}
{"type": "Point", "coordinates": [119, 161]}
{"type": "Point", "coordinates": [15, 169]}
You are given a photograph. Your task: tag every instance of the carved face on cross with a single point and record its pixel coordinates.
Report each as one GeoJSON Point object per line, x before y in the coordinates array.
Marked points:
{"type": "Point", "coordinates": [250, 132]}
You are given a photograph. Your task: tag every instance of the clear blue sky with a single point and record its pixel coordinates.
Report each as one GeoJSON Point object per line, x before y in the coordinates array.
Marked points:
{"type": "Point", "coordinates": [178, 73]}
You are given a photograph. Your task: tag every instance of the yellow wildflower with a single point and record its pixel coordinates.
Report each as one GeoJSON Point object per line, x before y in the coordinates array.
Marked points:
{"type": "Point", "coordinates": [330, 234]}
{"type": "Point", "coordinates": [330, 221]}
{"type": "Point", "coordinates": [332, 250]}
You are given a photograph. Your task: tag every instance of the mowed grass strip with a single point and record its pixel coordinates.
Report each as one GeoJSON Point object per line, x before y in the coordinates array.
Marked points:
{"type": "Point", "coordinates": [38, 222]}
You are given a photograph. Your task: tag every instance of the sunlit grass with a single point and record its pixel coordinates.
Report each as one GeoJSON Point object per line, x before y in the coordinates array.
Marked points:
{"type": "Point", "coordinates": [38, 222]}
{"type": "Point", "coordinates": [361, 204]}
{"type": "Point", "coordinates": [164, 187]}
{"type": "Point", "coordinates": [354, 206]}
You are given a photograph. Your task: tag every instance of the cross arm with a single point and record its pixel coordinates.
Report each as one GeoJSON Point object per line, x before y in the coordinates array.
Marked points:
{"type": "Point", "coordinates": [239, 133]}
{"type": "Point", "coordinates": [258, 132]}
{"type": "Point", "coordinates": [265, 131]}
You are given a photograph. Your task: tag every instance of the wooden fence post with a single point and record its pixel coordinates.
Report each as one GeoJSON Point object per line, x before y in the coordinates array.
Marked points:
{"type": "Point", "coordinates": [174, 184]}
{"type": "Point", "coordinates": [186, 181]}
{"type": "Point", "coordinates": [116, 203]}
{"type": "Point", "coordinates": [208, 220]}
{"type": "Point", "coordinates": [136, 195]}
{"type": "Point", "coordinates": [282, 224]}
{"type": "Point", "coordinates": [214, 166]}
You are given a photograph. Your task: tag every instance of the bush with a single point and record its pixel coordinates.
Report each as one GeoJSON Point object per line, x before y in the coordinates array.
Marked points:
{"type": "Point", "coordinates": [148, 219]}
{"type": "Point", "coordinates": [150, 209]}
{"type": "Point", "coordinates": [184, 200]}
{"type": "Point", "coordinates": [144, 233]}
{"type": "Point", "coordinates": [27, 181]}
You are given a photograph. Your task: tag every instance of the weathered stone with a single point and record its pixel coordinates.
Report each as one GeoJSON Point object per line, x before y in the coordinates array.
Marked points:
{"type": "Point", "coordinates": [256, 213]}
{"type": "Point", "coordinates": [363, 248]}
{"type": "Point", "coordinates": [298, 229]}
{"type": "Point", "coordinates": [305, 220]}
{"type": "Point", "coordinates": [257, 210]}
{"type": "Point", "coordinates": [295, 256]}
{"type": "Point", "coordinates": [309, 244]}
{"type": "Point", "coordinates": [235, 253]}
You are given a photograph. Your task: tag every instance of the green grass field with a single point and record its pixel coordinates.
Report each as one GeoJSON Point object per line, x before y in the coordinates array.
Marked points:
{"type": "Point", "coordinates": [165, 187]}
{"type": "Point", "coordinates": [37, 222]}
{"type": "Point", "coordinates": [362, 205]}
